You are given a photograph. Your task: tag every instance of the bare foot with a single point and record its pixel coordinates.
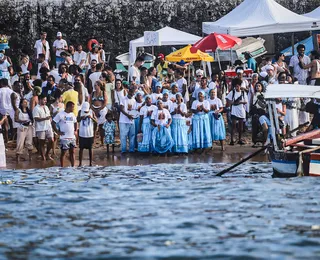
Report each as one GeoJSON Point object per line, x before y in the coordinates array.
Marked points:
{"type": "Point", "coordinates": [48, 157]}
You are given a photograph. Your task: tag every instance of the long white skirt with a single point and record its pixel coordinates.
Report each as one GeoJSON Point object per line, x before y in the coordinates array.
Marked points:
{"type": "Point", "coordinates": [292, 119]}
{"type": "Point", "coordinates": [2, 153]}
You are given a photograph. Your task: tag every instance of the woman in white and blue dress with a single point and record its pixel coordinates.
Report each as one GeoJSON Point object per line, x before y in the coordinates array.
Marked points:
{"type": "Point", "coordinates": [136, 113]}
{"type": "Point", "coordinates": [145, 126]}
{"type": "Point", "coordinates": [179, 130]}
{"type": "Point", "coordinates": [201, 134]}
{"type": "Point", "coordinates": [157, 94]}
{"type": "Point", "coordinates": [218, 130]}
{"type": "Point", "coordinates": [167, 103]}
{"type": "Point", "coordinates": [162, 141]}
{"type": "Point", "coordinates": [189, 117]}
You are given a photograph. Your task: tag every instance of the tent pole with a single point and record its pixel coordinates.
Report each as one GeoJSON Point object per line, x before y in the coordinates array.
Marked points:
{"type": "Point", "coordinates": [152, 54]}
{"type": "Point", "coordinates": [292, 43]}
{"type": "Point", "coordinates": [189, 76]}
{"type": "Point", "coordinates": [230, 58]}
{"type": "Point", "coordinates": [217, 52]}
{"type": "Point", "coordinates": [204, 68]}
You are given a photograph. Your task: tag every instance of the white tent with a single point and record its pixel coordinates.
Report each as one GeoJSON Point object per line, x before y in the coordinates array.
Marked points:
{"type": "Point", "coordinates": [258, 17]}
{"type": "Point", "coordinates": [168, 36]}
{"type": "Point", "coordinates": [314, 14]}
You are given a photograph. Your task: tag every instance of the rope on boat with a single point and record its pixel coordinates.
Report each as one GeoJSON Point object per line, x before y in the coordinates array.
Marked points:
{"type": "Point", "coordinates": [300, 170]}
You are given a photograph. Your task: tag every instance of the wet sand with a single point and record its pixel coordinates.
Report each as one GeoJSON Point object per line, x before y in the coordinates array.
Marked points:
{"type": "Point", "coordinates": [232, 154]}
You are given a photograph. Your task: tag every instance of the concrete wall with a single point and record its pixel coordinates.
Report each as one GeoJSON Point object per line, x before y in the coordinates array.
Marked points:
{"type": "Point", "coordinates": [115, 21]}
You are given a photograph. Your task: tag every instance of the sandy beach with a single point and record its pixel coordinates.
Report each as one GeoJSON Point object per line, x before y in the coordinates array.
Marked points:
{"type": "Point", "coordinates": [232, 154]}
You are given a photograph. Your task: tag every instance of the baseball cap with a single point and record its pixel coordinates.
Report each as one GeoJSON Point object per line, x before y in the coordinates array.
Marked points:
{"type": "Point", "coordinates": [160, 56]}
{"type": "Point", "coordinates": [181, 63]}
{"type": "Point", "coordinates": [59, 34]}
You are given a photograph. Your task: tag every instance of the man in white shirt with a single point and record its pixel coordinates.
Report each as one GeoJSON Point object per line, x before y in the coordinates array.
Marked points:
{"type": "Point", "coordinates": [41, 114]}
{"type": "Point", "coordinates": [95, 76]}
{"type": "Point", "coordinates": [42, 46]}
{"type": "Point", "coordinates": [59, 45]}
{"type": "Point", "coordinates": [126, 122]}
{"type": "Point", "coordinates": [67, 122]}
{"type": "Point", "coordinates": [79, 57]}
{"type": "Point", "coordinates": [237, 99]}
{"type": "Point", "coordinates": [134, 71]}
{"type": "Point", "coordinates": [296, 69]}
{"type": "Point", "coordinates": [301, 74]}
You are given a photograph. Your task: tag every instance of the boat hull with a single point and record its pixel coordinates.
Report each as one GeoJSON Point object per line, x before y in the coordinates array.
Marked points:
{"type": "Point", "coordinates": [284, 164]}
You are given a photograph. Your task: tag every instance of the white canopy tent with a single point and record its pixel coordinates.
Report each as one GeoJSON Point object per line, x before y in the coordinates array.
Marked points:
{"type": "Point", "coordinates": [292, 91]}
{"type": "Point", "coordinates": [314, 14]}
{"type": "Point", "coordinates": [259, 17]}
{"type": "Point", "coordinates": [168, 36]}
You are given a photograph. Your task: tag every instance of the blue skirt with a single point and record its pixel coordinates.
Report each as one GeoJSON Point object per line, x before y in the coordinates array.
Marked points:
{"type": "Point", "coordinates": [201, 134]}
{"type": "Point", "coordinates": [218, 129]}
{"type": "Point", "coordinates": [162, 141]}
{"type": "Point", "coordinates": [190, 146]}
{"type": "Point", "coordinates": [145, 145]}
{"type": "Point", "coordinates": [137, 123]}
{"type": "Point", "coordinates": [179, 134]}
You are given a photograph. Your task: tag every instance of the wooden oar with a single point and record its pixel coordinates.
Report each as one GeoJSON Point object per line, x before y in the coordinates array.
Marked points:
{"type": "Point", "coordinates": [242, 161]}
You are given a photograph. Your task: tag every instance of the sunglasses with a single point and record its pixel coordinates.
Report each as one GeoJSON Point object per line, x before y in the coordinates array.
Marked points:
{"type": "Point", "coordinates": [199, 76]}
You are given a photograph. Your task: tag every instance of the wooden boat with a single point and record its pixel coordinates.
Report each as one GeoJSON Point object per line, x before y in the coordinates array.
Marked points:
{"type": "Point", "coordinates": [299, 155]}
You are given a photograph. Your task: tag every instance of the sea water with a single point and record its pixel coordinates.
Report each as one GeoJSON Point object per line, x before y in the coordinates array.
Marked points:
{"type": "Point", "coordinates": [163, 211]}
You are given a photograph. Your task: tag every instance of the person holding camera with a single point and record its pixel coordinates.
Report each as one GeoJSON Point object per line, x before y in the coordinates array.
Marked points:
{"type": "Point", "coordinates": [237, 100]}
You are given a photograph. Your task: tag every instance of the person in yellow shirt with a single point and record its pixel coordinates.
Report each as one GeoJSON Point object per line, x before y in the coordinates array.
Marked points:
{"type": "Point", "coordinates": [71, 95]}
{"type": "Point", "coordinates": [162, 67]}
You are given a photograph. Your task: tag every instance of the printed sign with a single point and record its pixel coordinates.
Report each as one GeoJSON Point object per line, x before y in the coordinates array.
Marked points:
{"type": "Point", "coordinates": [151, 38]}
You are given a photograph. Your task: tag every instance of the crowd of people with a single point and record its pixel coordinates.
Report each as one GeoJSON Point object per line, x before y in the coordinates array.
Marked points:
{"type": "Point", "coordinates": [155, 111]}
